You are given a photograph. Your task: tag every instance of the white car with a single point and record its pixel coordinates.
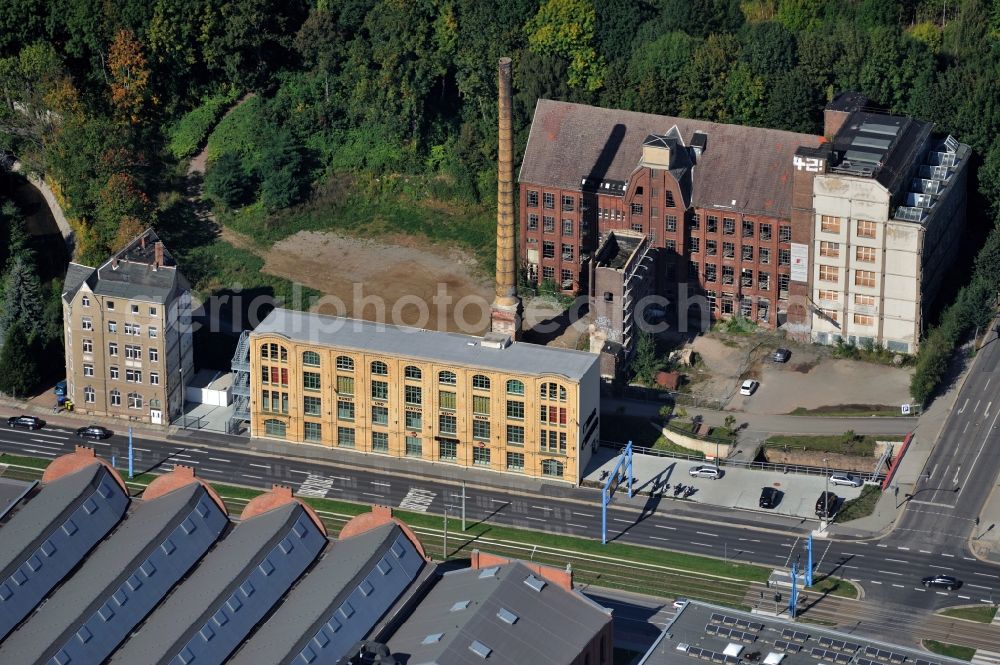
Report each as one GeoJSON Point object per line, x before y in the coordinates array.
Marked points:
{"type": "Point", "coordinates": [849, 479]}
{"type": "Point", "coordinates": [749, 387]}
{"type": "Point", "coordinates": [705, 471]}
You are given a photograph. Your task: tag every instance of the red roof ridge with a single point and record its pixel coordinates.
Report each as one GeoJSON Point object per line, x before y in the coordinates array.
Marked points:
{"type": "Point", "coordinates": [181, 476]}
{"type": "Point", "coordinates": [80, 458]}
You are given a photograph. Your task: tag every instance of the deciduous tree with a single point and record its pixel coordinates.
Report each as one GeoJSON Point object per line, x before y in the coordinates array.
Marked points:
{"type": "Point", "coordinates": [566, 28]}
{"type": "Point", "coordinates": [129, 76]}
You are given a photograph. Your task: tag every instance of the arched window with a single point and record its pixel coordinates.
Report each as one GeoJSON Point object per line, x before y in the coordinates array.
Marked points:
{"type": "Point", "coordinates": [310, 358]}
{"type": "Point", "coordinates": [134, 401]}
{"type": "Point", "coordinates": [447, 378]}
{"type": "Point", "coordinates": [274, 427]}
{"type": "Point", "coordinates": [116, 398]}
{"type": "Point", "coordinates": [379, 368]}
{"type": "Point", "coordinates": [515, 387]}
{"type": "Point", "coordinates": [89, 395]}
{"type": "Point", "coordinates": [413, 372]}
{"type": "Point", "coordinates": [552, 468]}
{"type": "Point", "coordinates": [154, 404]}
{"type": "Point", "coordinates": [345, 363]}
{"type": "Point", "coordinates": [481, 382]}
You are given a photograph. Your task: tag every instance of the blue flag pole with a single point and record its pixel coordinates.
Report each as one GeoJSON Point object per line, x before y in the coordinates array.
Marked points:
{"type": "Point", "coordinates": [130, 453]}
{"type": "Point", "coordinates": [809, 561]}
{"type": "Point", "coordinates": [793, 599]}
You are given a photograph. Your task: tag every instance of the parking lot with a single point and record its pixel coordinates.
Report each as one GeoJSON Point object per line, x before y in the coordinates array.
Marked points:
{"type": "Point", "coordinates": [738, 488]}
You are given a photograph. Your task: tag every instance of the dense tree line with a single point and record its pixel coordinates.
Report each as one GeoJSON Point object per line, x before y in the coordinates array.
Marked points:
{"type": "Point", "coordinates": [106, 97]}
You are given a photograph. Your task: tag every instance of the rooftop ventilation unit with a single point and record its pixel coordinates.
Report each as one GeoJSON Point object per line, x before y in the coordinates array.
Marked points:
{"type": "Point", "coordinates": [494, 340]}
{"type": "Point", "coordinates": [480, 649]}
{"type": "Point", "coordinates": [534, 582]}
{"type": "Point", "coordinates": [951, 143]}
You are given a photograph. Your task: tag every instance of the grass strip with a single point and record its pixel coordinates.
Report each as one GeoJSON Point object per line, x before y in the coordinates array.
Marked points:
{"type": "Point", "coordinates": [847, 443]}
{"type": "Point", "coordinates": [863, 506]}
{"type": "Point", "coordinates": [979, 613]}
{"type": "Point", "coordinates": [835, 586]}
{"type": "Point", "coordinates": [848, 411]}
{"type": "Point", "coordinates": [952, 650]}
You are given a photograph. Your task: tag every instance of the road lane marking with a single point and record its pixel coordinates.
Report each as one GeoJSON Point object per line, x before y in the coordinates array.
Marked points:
{"type": "Point", "coordinates": [964, 405]}
{"type": "Point", "coordinates": [375, 482]}
{"type": "Point", "coordinates": [535, 507]}
{"type": "Point", "coordinates": [897, 561]}
{"type": "Point", "coordinates": [372, 494]}
{"type": "Point", "coordinates": [980, 586]}
{"type": "Point", "coordinates": [987, 575]}
{"type": "Point", "coordinates": [941, 593]}
{"type": "Point", "coordinates": [958, 471]}
{"type": "Point", "coordinates": [966, 428]}
{"type": "Point", "coordinates": [247, 475]}
{"type": "Point", "coordinates": [881, 545]}
{"type": "Point", "coordinates": [705, 533]}
{"type": "Point", "coordinates": [304, 473]}
{"type": "Point", "coordinates": [39, 452]}
{"type": "Point", "coordinates": [898, 586]}
{"type": "Point", "coordinates": [916, 588]}
{"type": "Point", "coordinates": [987, 412]}
{"type": "Point", "coordinates": [142, 450]}
{"type": "Point", "coordinates": [581, 514]}
{"type": "Point", "coordinates": [219, 459]}
{"type": "Point", "coordinates": [950, 556]}
{"type": "Point", "coordinates": [534, 519]}
{"type": "Point", "coordinates": [900, 547]}
{"type": "Point", "coordinates": [965, 598]}
{"type": "Point", "coordinates": [39, 445]}
{"type": "Point", "coordinates": [940, 567]}
{"type": "Point", "coordinates": [581, 526]}
{"type": "Point", "coordinates": [925, 552]}
{"type": "Point", "coordinates": [978, 402]}
{"type": "Point", "coordinates": [658, 538]}
{"type": "Point", "coordinates": [875, 582]}
{"type": "Point", "coordinates": [342, 479]}
{"type": "Point", "coordinates": [618, 519]}
{"type": "Point", "coordinates": [265, 466]}
{"type": "Point", "coordinates": [889, 572]}
{"type": "Point", "coordinates": [212, 470]}
{"type": "Point", "coordinates": [705, 544]}
{"type": "Point", "coordinates": [989, 431]}
{"type": "Point", "coordinates": [662, 526]}
{"type": "Point", "coordinates": [52, 436]}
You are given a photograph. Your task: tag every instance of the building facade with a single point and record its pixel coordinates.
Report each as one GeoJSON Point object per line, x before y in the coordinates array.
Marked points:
{"type": "Point", "coordinates": [127, 334]}
{"type": "Point", "coordinates": [734, 215]}
{"type": "Point", "coordinates": [433, 396]}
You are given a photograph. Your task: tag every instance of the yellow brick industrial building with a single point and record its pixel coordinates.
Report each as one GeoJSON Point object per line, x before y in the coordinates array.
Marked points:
{"type": "Point", "coordinates": [490, 403]}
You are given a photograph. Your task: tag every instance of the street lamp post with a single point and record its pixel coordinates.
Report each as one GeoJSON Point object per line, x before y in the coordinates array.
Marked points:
{"type": "Point", "coordinates": [183, 415]}
{"type": "Point", "coordinates": [444, 555]}
{"type": "Point", "coordinates": [826, 497]}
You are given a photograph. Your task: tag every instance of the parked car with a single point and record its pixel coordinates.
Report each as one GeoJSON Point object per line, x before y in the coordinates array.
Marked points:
{"type": "Point", "coordinates": [28, 422]}
{"type": "Point", "coordinates": [770, 497]}
{"type": "Point", "coordinates": [781, 355]}
{"type": "Point", "coordinates": [848, 479]}
{"type": "Point", "coordinates": [826, 504]}
{"type": "Point", "coordinates": [705, 471]}
{"type": "Point", "coordinates": [680, 602]}
{"type": "Point", "coordinates": [749, 387]}
{"type": "Point", "coordinates": [941, 582]}
{"type": "Point", "coordinates": [94, 432]}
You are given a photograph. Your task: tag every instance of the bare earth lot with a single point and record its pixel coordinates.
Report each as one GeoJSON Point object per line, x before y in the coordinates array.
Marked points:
{"type": "Point", "coordinates": [401, 280]}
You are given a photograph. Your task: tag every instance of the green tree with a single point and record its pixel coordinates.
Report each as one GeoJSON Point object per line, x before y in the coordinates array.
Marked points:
{"type": "Point", "coordinates": [282, 173]}
{"type": "Point", "coordinates": [19, 369]}
{"type": "Point", "coordinates": [22, 298]}
{"type": "Point", "coordinates": [227, 181]}
{"type": "Point", "coordinates": [645, 363]}
{"type": "Point", "coordinates": [703, 88]}
{"type": "Point", "coordinates": [566, 28]}
{"type": "Point", "coordinates": [653, 75]}
{"type": "Point", "coordinates": [769, 49]}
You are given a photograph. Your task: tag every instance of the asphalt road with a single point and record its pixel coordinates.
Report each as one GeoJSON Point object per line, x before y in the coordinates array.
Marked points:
{"type": "Point", "coordinates": [963, 466]}
{"type": "Point", "coordinates": [888, 572]}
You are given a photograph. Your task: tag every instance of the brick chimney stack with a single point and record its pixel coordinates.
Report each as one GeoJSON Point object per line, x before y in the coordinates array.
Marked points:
{"type": "Point", "coordinates": [505, 314]}
{"type": "Point", "coordinates": [157, 255]}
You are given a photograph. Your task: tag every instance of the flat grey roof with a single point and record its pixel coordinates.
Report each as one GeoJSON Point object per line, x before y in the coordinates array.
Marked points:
{"type": "Point", "coordinates": [10, 490]}
{"type": "Point", "coordinates": [31, 523]}
{"type": "Point", "coordinates": [496, 608]}
{"type": "Point", "coordinates": [112, 559]}
{"type": "Point", "coordinates": [703, 628]}
{"type": "Point", "coordinates": [225, 565]}
{"type": "Point", "coordinates": [442, 347]}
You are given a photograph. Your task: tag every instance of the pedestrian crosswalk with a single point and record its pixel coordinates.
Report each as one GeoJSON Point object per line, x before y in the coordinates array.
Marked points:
{"type": "Point", "coordinates": [984, 657]}
{"type": "Point", "coordinates": [417, 499]}
{"type": "Point", "coordinates": [315, 485]}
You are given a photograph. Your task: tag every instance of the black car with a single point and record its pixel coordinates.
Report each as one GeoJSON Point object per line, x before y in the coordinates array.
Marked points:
{"type": "Point", "coordinates": [94, 432]}
{"type": "Point", "coordinates": [770, 497]}
{"type": "Point", "coordinates": [826, 504]}
{"type": "Point", "coordinates": [781, 355]}
{"type": "Point", "coordinates": [28, 422]}
{"type": "Point", "coordinates": [941, 582]}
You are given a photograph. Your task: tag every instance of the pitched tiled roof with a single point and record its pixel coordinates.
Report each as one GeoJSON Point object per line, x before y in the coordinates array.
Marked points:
{"type": "Point", "coordinates": [748, 169]}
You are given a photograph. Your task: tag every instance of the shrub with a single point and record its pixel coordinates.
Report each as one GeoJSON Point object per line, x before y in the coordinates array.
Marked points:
{"type": "Point", "coordinates": [187, 134]}
{"type": "Point", "coordinates": [242, 132]}
{"type": "Point", "coordinates": [283, 179]}
{"type": "Point", "coordinates": [226, 181]}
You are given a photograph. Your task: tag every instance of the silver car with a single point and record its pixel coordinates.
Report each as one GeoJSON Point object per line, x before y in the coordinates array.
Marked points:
{"type": "Point", "coordinates": [705, 471]}
{"type": "Point", "coordinates": [848, 479]}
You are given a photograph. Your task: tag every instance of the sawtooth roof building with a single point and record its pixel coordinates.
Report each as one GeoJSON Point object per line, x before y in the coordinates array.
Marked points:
{"type": "Point", "coordinates": [170, 579]}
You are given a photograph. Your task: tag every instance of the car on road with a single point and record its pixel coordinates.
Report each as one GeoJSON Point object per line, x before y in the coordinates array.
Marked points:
{"type": "Point", "coordinates": [94, 432]}
{"type": "Point", "coordinates": [28, 422]}
{"type": "Point", "coordinates": [770, 497]}
{"type": "Point", "coordinates": [826, 504]}
{"type": "Point", "coordinates": [749, 387]}
{"type": "Point", "coordinates": [781, 355]}
{"type": "Point", "coordinates": [705, 471]}
{"type": "Point", "coordinates": [941, 582]}
{"type": "Point", "coordinates": [848, 479]}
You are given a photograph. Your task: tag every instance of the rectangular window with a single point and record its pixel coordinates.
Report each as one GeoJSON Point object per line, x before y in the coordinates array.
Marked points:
{"type": "Point", "coordinates": [864, 301]}
{"type": "Point", "coordinates": [693, 268]}
{"type": "Point", "coordinates": [112, 349]}
{"type": "Point", "coordinates": [711, 297]}
{"type": "Point", "coordinates": [548, 224]}
{"type": "Point", "coordinates": [727, 303]}
{"type": "Point", "coordinates": [380, 415]}
{"type": "Point", "coordinates": [87, 323]}
{"type": "Point", "coordinates": [711, 272]}
{"type": "Point", "coordinates": [671, 224]}
{"type": "Point", "coordinates": [654, 212]}
{"type": "Point", "coordinates": [153, 332]}
{"type": "Point", "coordinates": [112, 326]}
{"type": "Point", "coordinates": [414, 446]}
{"type": "Point", "coordinates": [380, 390]}
{"type": "Point", "coordinates": [481, 456]}
{"type": "Point", "coordinates": [154, 378]}
{"type": "Point", "coordinates": [746, 278]}
{"type": "Point", "coordinates": [765, 231]}
{"type": "Point", "coordinates": [783, 283]}
{"type": "Point", "coordinates": [747, 252]}
{"type": "Point", "coordinates": [345, 409]}
{"type": "Point", "coordinates": [865, 254]}
{"type": "Point", "coordinates": [515, 435]}
{"type": "Point", "coordinates": [345, 385]}
{"type": "Point", "coordinates": [413, 395]}
{"type": "Point", "coordinates": [481, 405]}
{"type": "Point", "coordinates": [567, 227]}
{"type": "Point", "coordinates": [88, 369]}
{"type": "Point", "coordinates": [784, 257]}
{"type": "Point", "coordinates": [728, 250]}
{"type": "Point", "coordinates": [669, 195]}
{"type": "Point", "coordinates": [671, 245]}
{"type": "Point", "coordinates": [829, 224]}
{"type": "Point", "coordinates": [567, 252]}
{"type": "Point", "coordinates": [548, 250]}
{"type": "Point", "coordinates": [866, 229]}
{"type": "Point", "coordinates": [447, 400]}
{"type": "Point", "coordinates": [711, 247]}
{"type": "Point", "coordinates": [312, 431]}
{"type": "Point", "coordinates": [448, 450]}
{"type": "Point", "coordinates": [864, 320]}
{"type": "Point", "coordinates": [831, 249]}
{"type": "Point", "coordinates": [636, 208]}
{"type": "Point", "coordinates": [747, 228]}
{"type": "Point", "coordinates": [310, 380]}
{"type": "Point", "coordinates": [515, 409]}
{"type": "Point", "coordinates": [548, 272]}
{"type": "Point", "coordinates": [829, 274]}
{"type": "Point", "coordinates": [568, 203]}
{"type": "Point", "coordinates": [829, 296]}
{"type": "Point", "coordinates": [864, 278]}
{"type": "Point", "coordinates": [728, 226]}
{"type": "Point", "coordinates": [713, 224]}
{"type": "Point", "coordinates": [831, 314]}
{"type": "Point", "coordinates": [764, 281]}
{"type": "Point", "coordinates": [695, 245]}
{"type": "Point", "coordinates": [311, 406]}
{"type": "Point", "coordinates": [549, 200]}
{"type": "Point", "coordinates": [447, 423]}
{"type": "Point", "coordinates": [515, 461]}
{"type": "Point", "coordinates": [696, 221]}
{"type": "Point", "coordinates": [532, 199]}
{"type": "Point", "coordinates": [764, 255]}
{"type": "Point", "coordinates": [133, 376]}
{"type": "Point", "coordinates": [727, 274]}
{"type": "Point", "coordinates": [345, 437]}
{"type": "Point", "coordinates": [114, 372]}
{"type": "Point", "coordinates": [154, 355]}
{"type": "Point", "coordinates": [566, 277]}
{"type": "Point", "coordinates": [380, 442]}
{"type": "Point", "coordinates": [637, 228]}
{"type": "Point", "coordinates": [116, 398]}
{"type": "Point", "coordinates": [135, 309]}
{"type": "Point", "coordinates": [532, 222]}
{"type": "Point", "coordinates": [414, 420]}
{"type": "Point", "coordinates": [481, 430]}
{"type": "Point", "coordinates": [784, 233]}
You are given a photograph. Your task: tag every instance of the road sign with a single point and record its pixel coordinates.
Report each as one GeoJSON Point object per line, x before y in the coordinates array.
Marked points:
{"type": "Point", "coordinates": [905, 409]}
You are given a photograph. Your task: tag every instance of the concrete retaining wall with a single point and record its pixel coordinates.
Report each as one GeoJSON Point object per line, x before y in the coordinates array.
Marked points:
{"type": "Point", "coordinates": [708, 448]}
